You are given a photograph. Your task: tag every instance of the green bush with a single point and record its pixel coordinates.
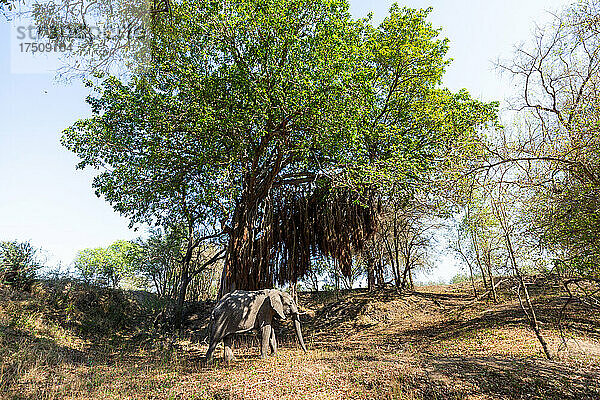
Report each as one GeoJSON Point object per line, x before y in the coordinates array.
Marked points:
{"type": "Point", "coordinates": [19, 263]}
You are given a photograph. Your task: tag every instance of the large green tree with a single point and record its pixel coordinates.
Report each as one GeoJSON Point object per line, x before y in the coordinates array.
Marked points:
{"type": "Point", "coordinates": [274, 125]}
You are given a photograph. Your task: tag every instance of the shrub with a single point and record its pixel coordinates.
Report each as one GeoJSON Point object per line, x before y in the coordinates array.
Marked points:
{"type": "Point", "coordinates": [89, 309]}
{"type": "Point", "coordinates": [19, 263]}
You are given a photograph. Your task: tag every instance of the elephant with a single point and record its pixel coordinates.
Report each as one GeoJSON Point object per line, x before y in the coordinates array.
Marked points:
{"type": "Point", "coordinates": [245, 311]}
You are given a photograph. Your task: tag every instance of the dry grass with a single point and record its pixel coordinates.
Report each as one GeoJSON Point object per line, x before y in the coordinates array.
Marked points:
{"type": "Point", "coordinates": [434, 344]}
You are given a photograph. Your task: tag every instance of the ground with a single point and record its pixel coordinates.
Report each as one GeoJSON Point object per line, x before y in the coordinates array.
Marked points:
{"type": "Point", "coordinates": [434, 343]}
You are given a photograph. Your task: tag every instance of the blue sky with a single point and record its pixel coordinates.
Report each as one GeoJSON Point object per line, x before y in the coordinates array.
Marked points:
{"type": "Point", "coordinates": [45, 200]}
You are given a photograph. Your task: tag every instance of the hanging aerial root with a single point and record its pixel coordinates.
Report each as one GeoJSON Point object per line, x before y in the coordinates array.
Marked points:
{"type": "Point", "coordinates": [292, 226]}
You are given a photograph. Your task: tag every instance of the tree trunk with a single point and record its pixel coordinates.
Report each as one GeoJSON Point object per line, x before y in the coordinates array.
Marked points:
{"type": "Point", "coordinates": [184, 281]}
{"type": "Point", "coordinates": [379, 274]}
{"type": "Point", "coordinates": [294, 291]}
{"type": "Point", "coordinates": [390, 253]}
{"type": "Point", "coordinates": [531, 316]}
{"type": "Point", "coordinates": [247, 258]}
{"type": "Point", "coordinates": [237, 273]}
{"type": "Point", "coordinates": [181, 300]}
{"type": "Point", "coordinates": [370, 274]}
{"type": "Point", "coordinates": [407, 265]}
{"type": "Point", "coordinates": [399, 284]}
{"type": "Point", "coordinates": [478, 260]}
{"type": "Point", "coordinates": [405, 275]}
{"type": "Point", "coordinates": [472, 279]}
{"type": "Point", "coordinates": [491, 276]}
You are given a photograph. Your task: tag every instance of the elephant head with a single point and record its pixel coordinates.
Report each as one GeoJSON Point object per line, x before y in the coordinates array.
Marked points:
{"type": "Point", "coordinates": [283, 305]}
{"type": "Point", "coordinates": [242, 311]}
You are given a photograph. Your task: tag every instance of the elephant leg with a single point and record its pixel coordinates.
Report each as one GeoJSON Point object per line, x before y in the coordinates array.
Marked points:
{"type": "Point", "coordinates": [265, 338]}
{"type": "Point", "coordinates": [273, 342]}
{"type": "Point", "coordinates": [228, 349]}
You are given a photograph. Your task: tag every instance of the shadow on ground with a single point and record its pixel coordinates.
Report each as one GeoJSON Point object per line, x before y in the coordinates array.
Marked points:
{"type": "Point", "coordinates": [517, 379]}
{"type": "Point", "coordinates": [21, 353]}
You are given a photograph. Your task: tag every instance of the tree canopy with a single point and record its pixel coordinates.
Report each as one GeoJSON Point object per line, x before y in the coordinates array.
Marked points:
{"type": "Point", "coordinates": [278, 120]}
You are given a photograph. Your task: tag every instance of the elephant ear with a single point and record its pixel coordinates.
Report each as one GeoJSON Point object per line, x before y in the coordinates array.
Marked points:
{"type": "Point", "coordinates": [275, 299]}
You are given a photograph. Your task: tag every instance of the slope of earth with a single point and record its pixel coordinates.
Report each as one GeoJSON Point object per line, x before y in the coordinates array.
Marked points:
{"type": "Point", "coordinates": [434, 343]}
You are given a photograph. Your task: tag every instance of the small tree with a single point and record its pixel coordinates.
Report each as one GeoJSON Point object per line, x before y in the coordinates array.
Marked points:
{"type": "Point", "coordinates": [19, 263]}
{"type": "Point", "coordinates": [107, 266]}
{"type": "Point", "coordinates": [158, 260]}
{"type": "Point", "coordinates": [357, 272]}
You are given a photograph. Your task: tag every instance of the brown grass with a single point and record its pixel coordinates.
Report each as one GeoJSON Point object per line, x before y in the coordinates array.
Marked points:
{"type": "Point", "coordinates": [433, 344]}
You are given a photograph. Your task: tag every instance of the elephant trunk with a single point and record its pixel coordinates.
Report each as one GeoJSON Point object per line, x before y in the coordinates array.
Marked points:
{"type": "Point", "coordinates": [299, 331]}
